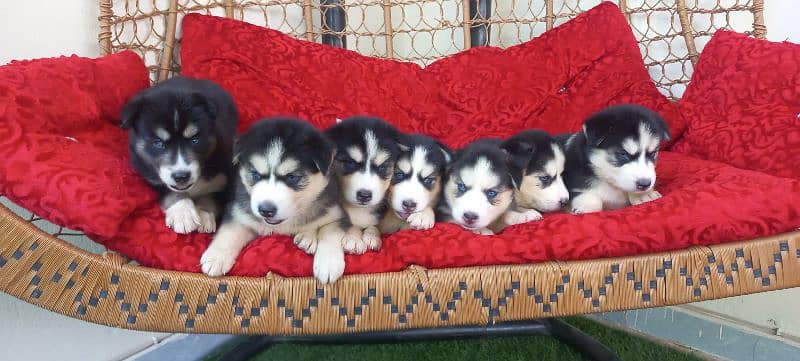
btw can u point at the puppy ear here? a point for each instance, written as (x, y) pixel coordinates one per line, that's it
(519, 155)
(322, 151)
(131, 111)
(661, 128)
(202, 104)
(446, 152)
(596, 129)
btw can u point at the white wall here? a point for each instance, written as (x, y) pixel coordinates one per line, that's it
(45, 28)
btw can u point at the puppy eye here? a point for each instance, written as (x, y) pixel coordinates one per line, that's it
(461, 188)
(195, 140)
(428, 181)
(491, 193)
(293, 179)
(398, 175)
(383, 168)
(349, 165)
(255, 176)
(622, 156)
(545, 179)
(652, 155)
(158, 144)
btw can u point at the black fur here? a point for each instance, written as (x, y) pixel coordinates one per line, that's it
(437, 154)
(605, 130)
(529, 151)
(350, 132)
(201, 102)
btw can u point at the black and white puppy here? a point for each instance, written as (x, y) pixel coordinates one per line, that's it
(181, 141)
(478, 187)
(284, 186)
(612, 163)
(366, 153)
(416, 184)
(536, 166)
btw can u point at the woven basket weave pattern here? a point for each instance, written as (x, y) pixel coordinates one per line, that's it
(41, 269)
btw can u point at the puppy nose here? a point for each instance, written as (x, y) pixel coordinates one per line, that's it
(181, 177)
(267, 209)
(643, 184)
(364, 196)
(470, 217)
(409, 205)
(563, 202)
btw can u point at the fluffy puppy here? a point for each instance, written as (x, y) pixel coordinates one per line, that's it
(283, 186)
(478, 187)
(366, 153)
(612, 163)
(536, 166)
(181, 141)
(416, 184)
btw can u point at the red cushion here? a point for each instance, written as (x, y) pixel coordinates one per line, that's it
(704, 203)
(62, 157)
(744, 105)
(551, 82)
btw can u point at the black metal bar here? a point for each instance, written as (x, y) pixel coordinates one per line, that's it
(559, 329)
(333, 20)
(480, 11)
(579, 341)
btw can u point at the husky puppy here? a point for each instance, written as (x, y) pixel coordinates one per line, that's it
(283, 186)
(416, 184)
(366, 153)
(536, 166)
(478, 187)
(612, 162)
(181, 141)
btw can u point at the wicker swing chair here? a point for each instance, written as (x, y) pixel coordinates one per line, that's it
(40, 268)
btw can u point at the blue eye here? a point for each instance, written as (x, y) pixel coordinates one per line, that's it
(491, 194)
(461, 188)
(195, 140)
(398, 175)
(545, 179)
(349, 165)
(383, 168)
(255, 176)
(158, 144)
(623, 156)
(428, 181)
(292, 179)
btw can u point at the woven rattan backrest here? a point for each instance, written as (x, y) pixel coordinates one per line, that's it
(670, 32)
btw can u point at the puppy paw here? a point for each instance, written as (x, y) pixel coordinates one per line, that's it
(512, 217)
(307, 241)
(372, 238)
(421, 220)
(182, 216)
(483, 232)
(328, 263)
(637, 199)
(353, 242)
(217, 261)
(208, 221)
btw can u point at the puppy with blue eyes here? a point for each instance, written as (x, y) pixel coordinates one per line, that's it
(612, 163)
(478, 187)
(416, 184)
(536, 165)
(366, 153)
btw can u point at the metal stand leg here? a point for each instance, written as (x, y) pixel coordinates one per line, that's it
(562, 331)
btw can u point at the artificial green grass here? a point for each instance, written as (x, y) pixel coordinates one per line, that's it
(543, 348)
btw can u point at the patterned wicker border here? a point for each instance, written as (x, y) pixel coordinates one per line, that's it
(41, 269)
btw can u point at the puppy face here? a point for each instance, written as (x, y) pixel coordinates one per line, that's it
(416, 183)
(624, 143)
(536, 166)
(173, 134)
(478, 189)
(367, 151)
(282, 164)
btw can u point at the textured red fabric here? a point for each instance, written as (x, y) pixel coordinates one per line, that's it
(551, 82)
(62, 157)
(744, 105)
